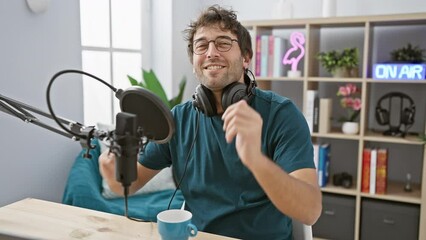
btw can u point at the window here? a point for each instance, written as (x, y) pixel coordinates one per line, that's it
(111, 39)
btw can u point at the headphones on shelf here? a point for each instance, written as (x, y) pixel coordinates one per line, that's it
(203, 98)
(407, 114)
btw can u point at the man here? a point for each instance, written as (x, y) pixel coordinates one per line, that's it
(247, 170)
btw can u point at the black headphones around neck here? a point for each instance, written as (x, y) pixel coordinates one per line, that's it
(406, 115)
(203, 98)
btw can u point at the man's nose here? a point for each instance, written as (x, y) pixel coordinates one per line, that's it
(211, 50)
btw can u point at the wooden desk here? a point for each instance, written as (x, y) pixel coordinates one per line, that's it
(37, 219)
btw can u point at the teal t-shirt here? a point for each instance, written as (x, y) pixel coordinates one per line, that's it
(222, 194)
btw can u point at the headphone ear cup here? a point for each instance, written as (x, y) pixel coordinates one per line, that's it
(407, 117)
(382, 116)
(203, 100)
(233, 93)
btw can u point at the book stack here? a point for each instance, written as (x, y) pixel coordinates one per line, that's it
(318, 112)
(374, 170)
(269, 55)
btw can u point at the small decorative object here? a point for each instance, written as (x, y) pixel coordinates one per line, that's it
(295, 53)
(340, 64)
(38, 6)
(283, 9)
(328, 8)
(151, 83)
(407, 186)
(352, 103)
(399, 71)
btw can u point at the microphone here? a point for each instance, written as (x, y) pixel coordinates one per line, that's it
(127, 148)
(143, 115)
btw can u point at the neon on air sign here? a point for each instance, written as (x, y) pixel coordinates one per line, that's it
(399, 71)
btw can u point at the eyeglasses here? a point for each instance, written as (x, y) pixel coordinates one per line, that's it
(222, 44)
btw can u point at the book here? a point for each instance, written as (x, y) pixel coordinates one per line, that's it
(316, 153)
(271, 50)
(264, 52)
(316, 159)
(365, 179)
(316, 114)
(373, 165)
(280, 45)
(381, 170)
(311, 95)
(323, 164)
(325, 107)
(258, 57)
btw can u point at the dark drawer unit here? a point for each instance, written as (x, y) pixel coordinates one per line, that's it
(389, 220)
(337, 219)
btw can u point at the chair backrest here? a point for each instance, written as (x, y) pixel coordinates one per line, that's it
(301, 231)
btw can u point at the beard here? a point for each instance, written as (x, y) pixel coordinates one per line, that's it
(219, 80)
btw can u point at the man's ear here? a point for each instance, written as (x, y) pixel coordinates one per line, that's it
(246, 62)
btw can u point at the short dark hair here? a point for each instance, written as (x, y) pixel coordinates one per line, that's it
(226, 20)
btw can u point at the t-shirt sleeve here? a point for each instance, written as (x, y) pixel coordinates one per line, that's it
(291, 139)
(155, 156)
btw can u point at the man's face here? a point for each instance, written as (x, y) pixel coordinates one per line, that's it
(215, 69)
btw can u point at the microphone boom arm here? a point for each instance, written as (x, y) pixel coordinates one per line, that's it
(19, 110)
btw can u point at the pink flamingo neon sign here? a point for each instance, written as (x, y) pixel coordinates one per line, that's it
(296, 40)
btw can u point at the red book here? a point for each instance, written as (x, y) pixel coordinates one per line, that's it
(381, 171)
(365, 180)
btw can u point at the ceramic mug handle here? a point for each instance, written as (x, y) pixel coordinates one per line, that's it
(192, 229)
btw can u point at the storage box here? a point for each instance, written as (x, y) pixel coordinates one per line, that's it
(337, 220)
(389, 220)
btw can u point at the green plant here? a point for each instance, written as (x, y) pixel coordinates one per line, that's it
(348, 58)
(422, 137)
(151, 83)
(408, 53)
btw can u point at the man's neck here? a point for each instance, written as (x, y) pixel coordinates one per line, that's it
(218, 101)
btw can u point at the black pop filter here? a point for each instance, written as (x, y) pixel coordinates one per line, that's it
(153, 115)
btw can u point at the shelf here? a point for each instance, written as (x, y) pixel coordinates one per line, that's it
(412, 18)
(374, 36)
(337, 134)
(378, 137)
(284, 79)
(395, 192)
(370, 80)
(329, 188)
(331, 79)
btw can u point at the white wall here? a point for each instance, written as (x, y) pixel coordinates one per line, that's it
(169, 58)
(34, 162)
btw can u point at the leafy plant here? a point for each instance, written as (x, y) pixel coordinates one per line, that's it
(350, 101)
(334, 59)
(422, 137)
(408, 53)
(151, 83)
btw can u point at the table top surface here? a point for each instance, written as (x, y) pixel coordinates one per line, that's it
(38, 219)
